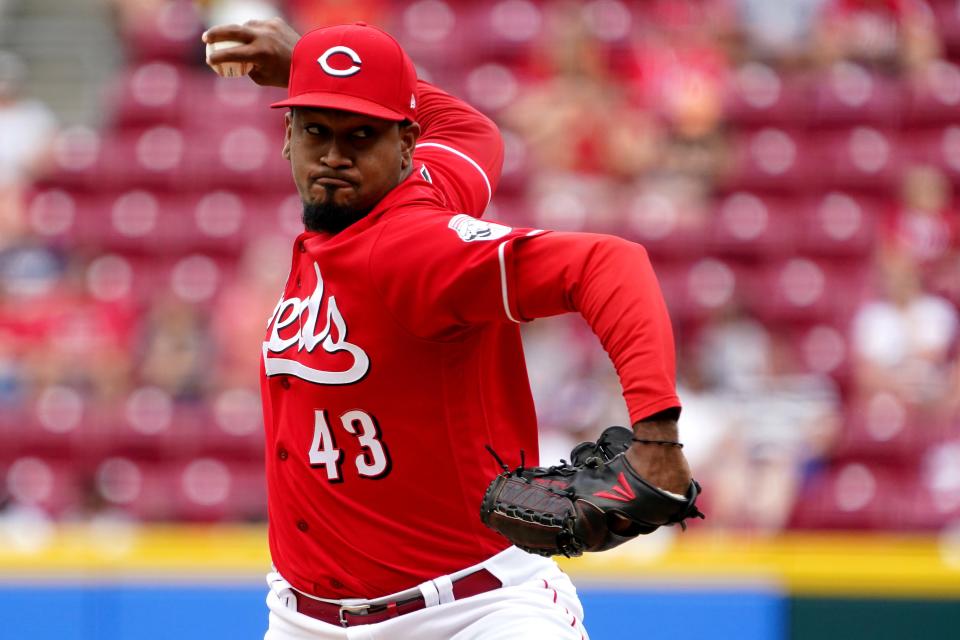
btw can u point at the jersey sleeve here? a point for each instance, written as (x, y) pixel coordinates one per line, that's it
(611, 283)
(461, 149)
(441, 275)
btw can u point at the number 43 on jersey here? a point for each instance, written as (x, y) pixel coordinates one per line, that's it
(373, 462)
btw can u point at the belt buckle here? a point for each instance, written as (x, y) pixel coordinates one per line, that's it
(357, 609)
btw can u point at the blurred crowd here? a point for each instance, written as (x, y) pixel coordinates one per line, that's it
(790, 166)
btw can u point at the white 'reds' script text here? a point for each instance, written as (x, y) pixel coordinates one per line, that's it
(333, 339)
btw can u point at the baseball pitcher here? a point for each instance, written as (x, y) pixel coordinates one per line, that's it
(395, 397)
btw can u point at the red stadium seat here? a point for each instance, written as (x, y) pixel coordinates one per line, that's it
(145, 489)
(804, 290)
(771, 160)
(171, 32)
(234, 429)
(746, 224)
(668, 228)
(149, 94)
(149, 158)
(883, 428)
(149, 425)
(56, 425)
(502, 31)
(78, 160)
(697, 290)
(822, 348)
(856, 495)
(52, 212)
(948, 24)
(758, 96)
(197, 278)
(50, 484)
(432, 30)
(208, 489)
(934, 96)
(517, 164)
(860, 158)
(242, 157)
(201, 489)
(838, 224)
(937, 500)
(849, 94)
(211, 103)
(939, 147)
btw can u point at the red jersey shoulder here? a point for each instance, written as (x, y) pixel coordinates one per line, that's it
(426, 228)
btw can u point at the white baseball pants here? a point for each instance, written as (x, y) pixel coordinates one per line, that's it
(537, 601)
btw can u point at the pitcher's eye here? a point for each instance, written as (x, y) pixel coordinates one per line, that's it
(363, 132)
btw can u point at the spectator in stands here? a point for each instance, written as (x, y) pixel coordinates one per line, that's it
(27, 126)
(772, 419)
(585, 139)
(902, 338)
(238, 315)
(575, 117)
(27, 129)
(574, 386)
(132, 14)
(679, 76)
(887, 34)
(55, 332)
(30, 275)
(924, 227)
(176, 349)
(778, 31)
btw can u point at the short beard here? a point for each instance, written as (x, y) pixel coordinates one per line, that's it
(328, 217)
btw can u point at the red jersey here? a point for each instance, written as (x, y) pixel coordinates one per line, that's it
(394, 357)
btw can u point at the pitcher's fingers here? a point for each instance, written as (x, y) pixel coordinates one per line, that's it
(239, 53)
(228, 32)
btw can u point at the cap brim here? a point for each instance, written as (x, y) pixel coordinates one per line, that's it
(326, 100)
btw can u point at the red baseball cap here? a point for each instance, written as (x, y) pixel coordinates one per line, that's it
(353, 67)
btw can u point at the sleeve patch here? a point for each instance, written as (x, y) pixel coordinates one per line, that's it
(472, 230)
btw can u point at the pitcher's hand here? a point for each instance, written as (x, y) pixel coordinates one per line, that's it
(267, 45)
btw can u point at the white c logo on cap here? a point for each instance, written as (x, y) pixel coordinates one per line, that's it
(341, 73)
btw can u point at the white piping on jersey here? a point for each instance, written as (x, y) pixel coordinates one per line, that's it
(425, 174)
(465, 157)
(503, 273)
(503, 280)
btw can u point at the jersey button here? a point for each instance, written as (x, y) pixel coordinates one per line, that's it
(285, 383)
(302, 525)
(336, 584)
(282, 454)
(298, 282)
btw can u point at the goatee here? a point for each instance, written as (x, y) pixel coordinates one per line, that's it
(329, 217)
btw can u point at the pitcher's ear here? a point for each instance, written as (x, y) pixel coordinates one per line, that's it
(287, 131)
(409, 134)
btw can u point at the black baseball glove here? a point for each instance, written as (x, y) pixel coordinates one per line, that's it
(573, 507)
